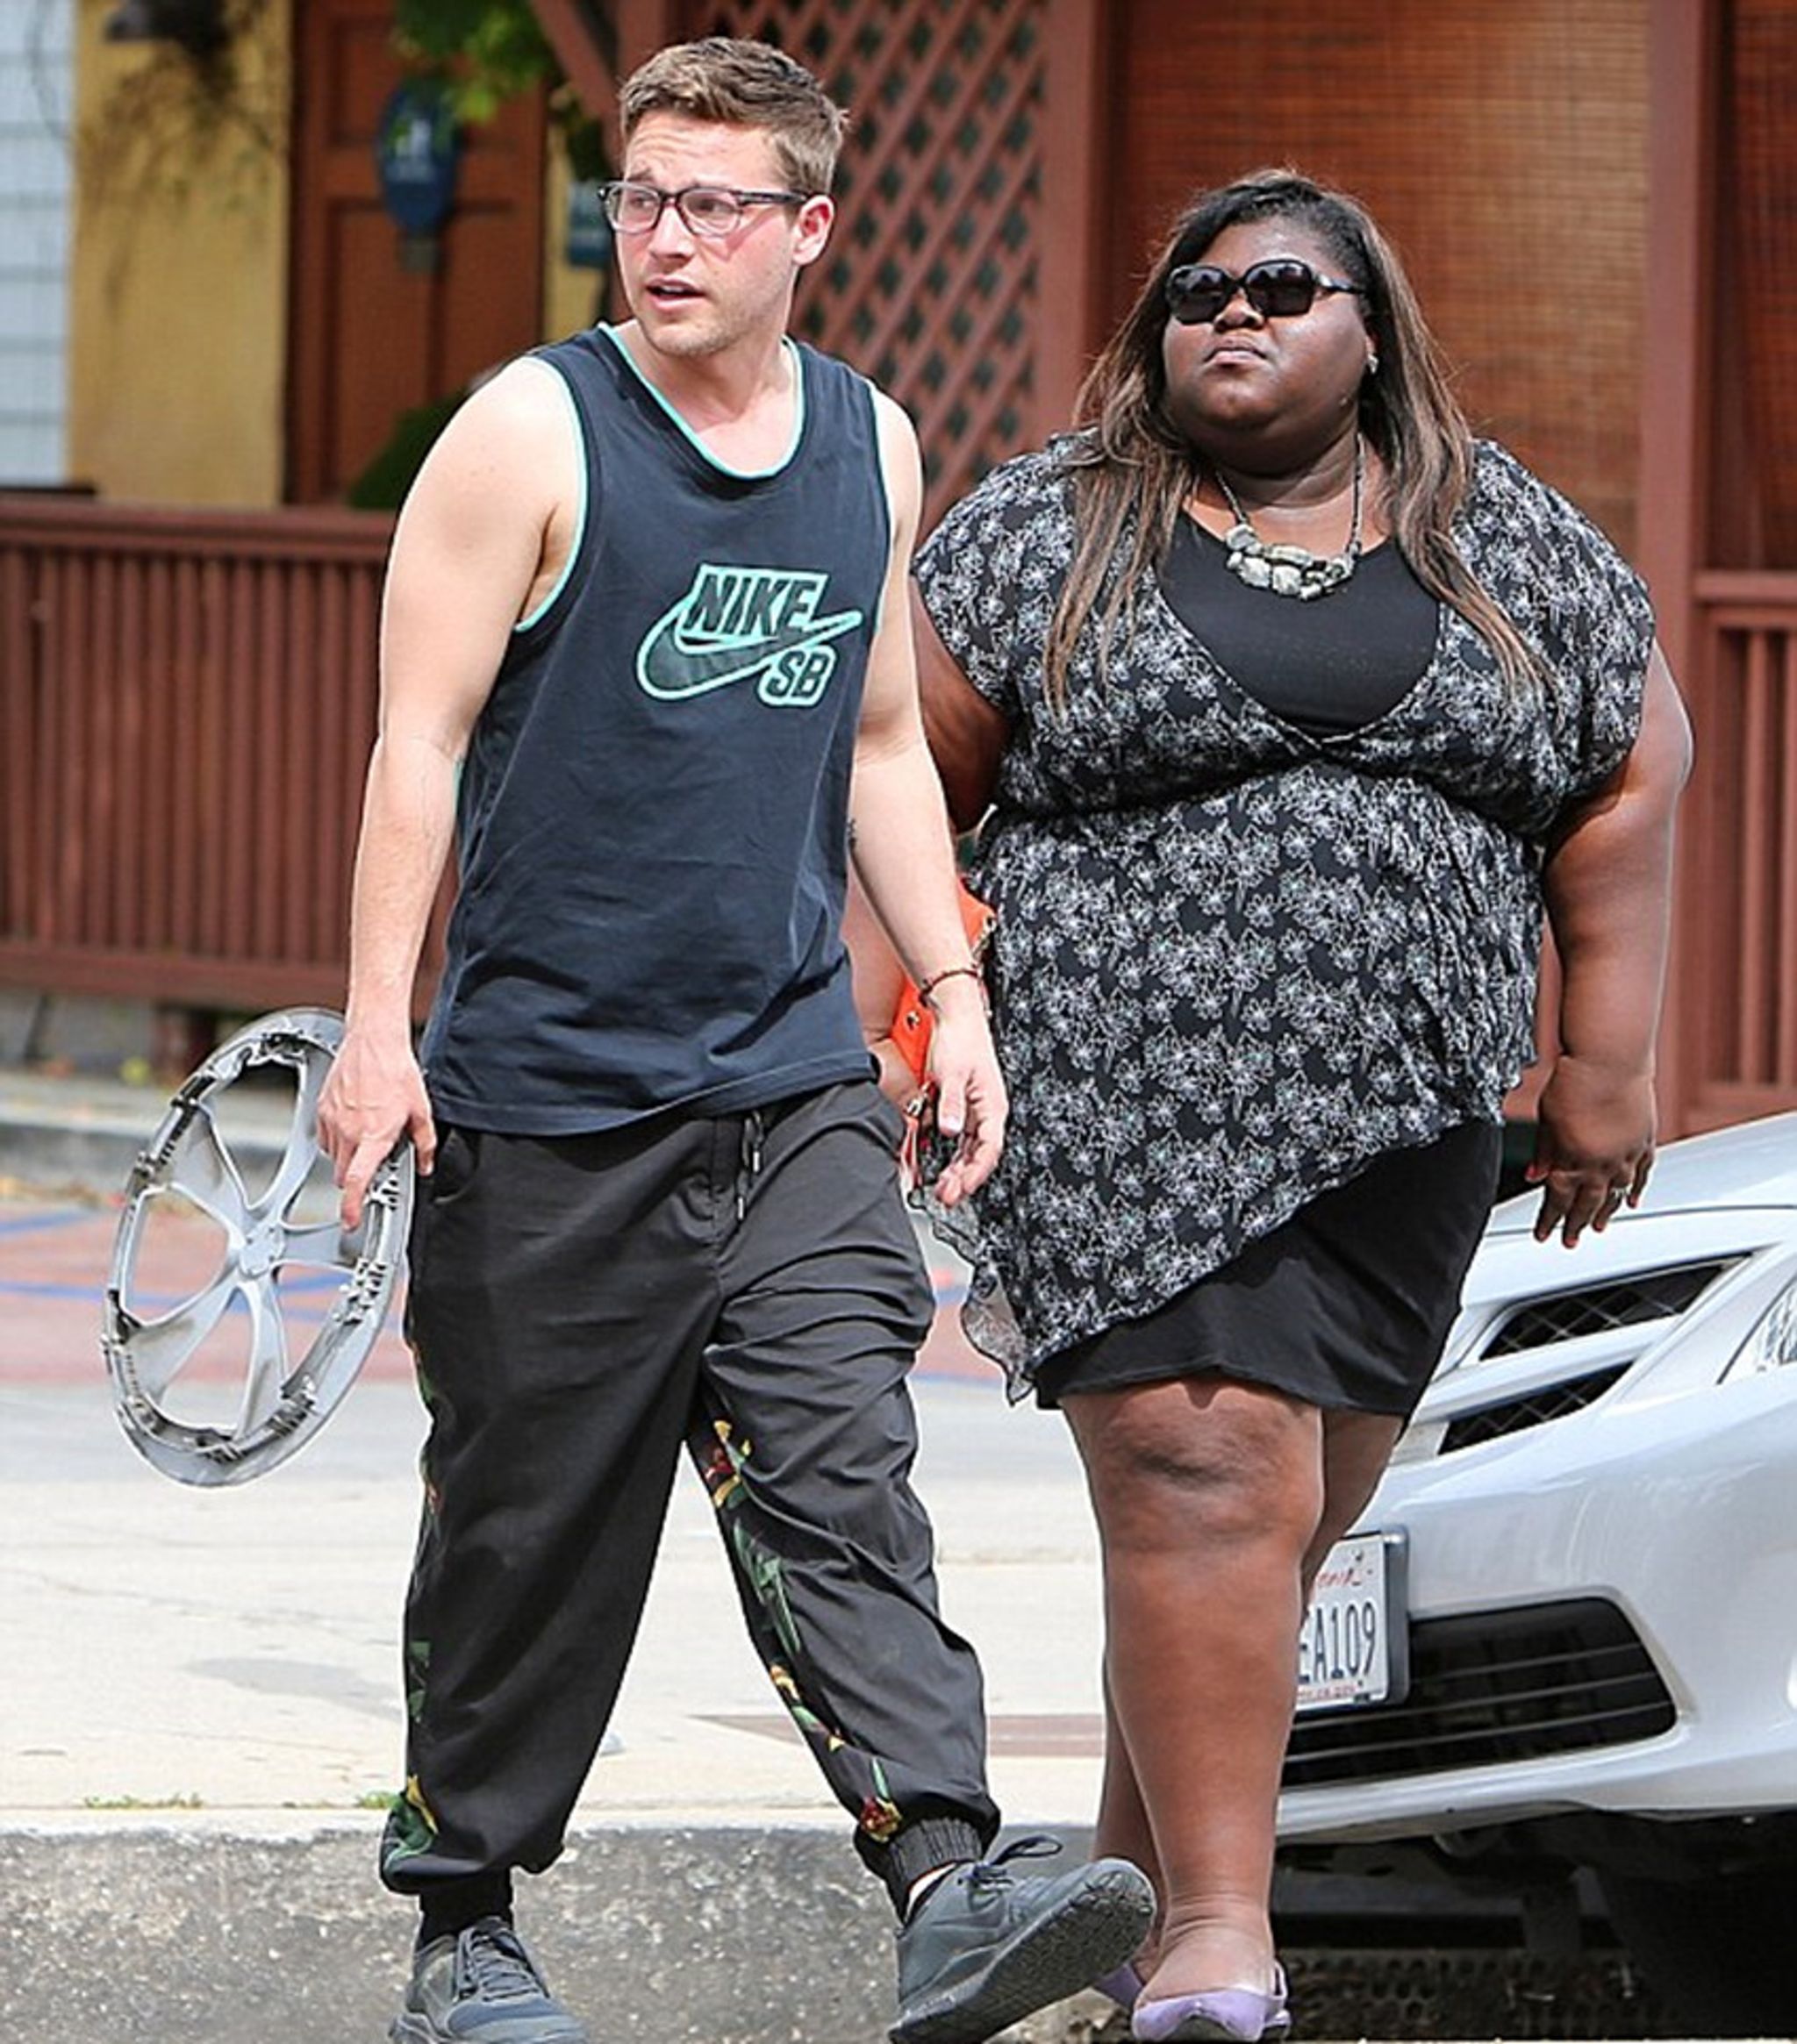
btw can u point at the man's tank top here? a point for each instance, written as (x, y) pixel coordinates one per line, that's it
(652, 821)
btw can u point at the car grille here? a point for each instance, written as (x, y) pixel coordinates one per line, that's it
(1492, 1688)
(1534, 1409)
(1595, 1309)
(1641, 1300)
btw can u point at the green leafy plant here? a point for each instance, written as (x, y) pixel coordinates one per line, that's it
(488, 52)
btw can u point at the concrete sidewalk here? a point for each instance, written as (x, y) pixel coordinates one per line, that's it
(202, 1715)
(203, 1703)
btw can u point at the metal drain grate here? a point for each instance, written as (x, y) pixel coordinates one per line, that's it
(1422, 1993)
(1513, 1995)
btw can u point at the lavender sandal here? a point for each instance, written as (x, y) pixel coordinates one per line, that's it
(1221, 2015)
(1123, 1985)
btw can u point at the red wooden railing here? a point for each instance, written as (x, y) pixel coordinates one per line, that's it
(187, 699)
(1736, 990)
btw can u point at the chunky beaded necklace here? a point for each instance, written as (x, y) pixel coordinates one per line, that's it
(1291, 571)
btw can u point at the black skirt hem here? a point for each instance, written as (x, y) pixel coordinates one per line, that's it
(1346, 1306)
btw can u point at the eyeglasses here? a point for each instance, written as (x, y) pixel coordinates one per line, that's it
(711, 210)
(1278, 290)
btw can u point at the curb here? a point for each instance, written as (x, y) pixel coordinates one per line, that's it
(715, 1936)
(83, 1138)
(758, 1933)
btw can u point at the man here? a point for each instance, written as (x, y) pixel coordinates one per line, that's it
(648, 600)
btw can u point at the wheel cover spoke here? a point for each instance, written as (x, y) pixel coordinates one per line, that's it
(267, 1374)
(321, 1243)
(204, 1170)
(163, 1348)
(302, 1147)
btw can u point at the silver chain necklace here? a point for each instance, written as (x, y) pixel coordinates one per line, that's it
(1291, 571)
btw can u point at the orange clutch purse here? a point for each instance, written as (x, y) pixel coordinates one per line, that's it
(912, 1019)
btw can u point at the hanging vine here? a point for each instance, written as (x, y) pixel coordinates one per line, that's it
(180, 116)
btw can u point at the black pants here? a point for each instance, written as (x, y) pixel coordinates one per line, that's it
(581, 1308)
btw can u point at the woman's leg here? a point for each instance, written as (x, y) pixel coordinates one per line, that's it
(1123, 1831)
(1208, 1494)
(1355, 1447)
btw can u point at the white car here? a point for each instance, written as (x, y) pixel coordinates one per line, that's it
(1567, 1635)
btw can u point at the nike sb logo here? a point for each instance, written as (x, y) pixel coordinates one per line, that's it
(736, 621)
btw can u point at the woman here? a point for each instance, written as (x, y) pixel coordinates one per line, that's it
(1296, 704)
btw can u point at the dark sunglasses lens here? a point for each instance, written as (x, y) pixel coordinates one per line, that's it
(1281, 290)
(1198, 291)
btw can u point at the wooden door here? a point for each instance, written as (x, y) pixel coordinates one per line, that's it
(375, 332)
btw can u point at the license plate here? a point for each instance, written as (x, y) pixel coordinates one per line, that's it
(1354, 1648)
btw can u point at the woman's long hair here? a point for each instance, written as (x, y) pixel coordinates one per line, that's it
(1133, 468)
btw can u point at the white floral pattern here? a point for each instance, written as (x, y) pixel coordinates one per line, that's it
(1235, 962)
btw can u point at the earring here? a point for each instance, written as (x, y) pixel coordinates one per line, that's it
(1373, 365)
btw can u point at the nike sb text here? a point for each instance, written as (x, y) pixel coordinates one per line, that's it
(736, 621)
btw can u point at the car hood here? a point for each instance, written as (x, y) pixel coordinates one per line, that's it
(1752, 1164)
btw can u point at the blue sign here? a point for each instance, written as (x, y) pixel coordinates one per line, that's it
(418, 147)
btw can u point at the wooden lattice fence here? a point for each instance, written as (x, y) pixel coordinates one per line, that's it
(932, 281)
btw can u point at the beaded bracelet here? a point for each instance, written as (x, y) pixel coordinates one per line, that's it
(925, 988)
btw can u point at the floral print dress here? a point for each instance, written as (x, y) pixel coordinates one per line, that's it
(1235, 962)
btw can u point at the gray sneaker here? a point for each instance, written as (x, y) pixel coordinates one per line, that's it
(481, 1987)
(987, 1947)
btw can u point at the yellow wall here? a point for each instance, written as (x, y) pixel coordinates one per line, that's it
(179, 271)
(570, 295)
(178, 288)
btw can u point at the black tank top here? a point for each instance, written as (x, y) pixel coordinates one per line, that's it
(652, 820)
(1328, 665)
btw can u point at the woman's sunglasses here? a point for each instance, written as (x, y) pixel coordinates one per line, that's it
(1278, 290)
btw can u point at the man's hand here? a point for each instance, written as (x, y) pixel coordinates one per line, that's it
(374, 1095)
(971, 1104)
(1594, 1147)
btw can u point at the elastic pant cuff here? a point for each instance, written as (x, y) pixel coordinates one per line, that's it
(920, 1846)
(449, 1907)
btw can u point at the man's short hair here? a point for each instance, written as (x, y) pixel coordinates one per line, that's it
(746, 84)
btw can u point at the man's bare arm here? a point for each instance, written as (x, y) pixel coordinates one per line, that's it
(475, 544)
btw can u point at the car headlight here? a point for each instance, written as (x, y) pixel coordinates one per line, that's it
(1773, 1342)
